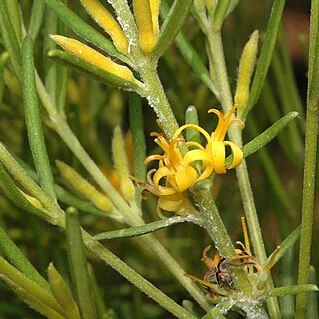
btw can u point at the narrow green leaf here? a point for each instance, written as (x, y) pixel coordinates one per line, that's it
(14, 13)
(62, 75)
(268, 135)
(190, 55)
(141, 230)
(220, 12)
(139, 146)
(10, 40)
(11, 191)
(18, 280)
(62, 294)
(233, 4)
(3, 60)
(191, 117)
(33, 120)
(98, 296)
(36, 20)
(37, 305)
(50, 66)
(78, 265)
(287, 303)
(83, 29)
(92, 70)
(314, 39)
(71, 200)
(285, 245)
(173, 23)
(290, 290)
(15, 256)
(266, 53)
(287, 103)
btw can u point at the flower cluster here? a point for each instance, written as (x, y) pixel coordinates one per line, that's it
(177, 171)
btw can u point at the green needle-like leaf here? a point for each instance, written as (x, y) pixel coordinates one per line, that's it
(10, 40)
(140, 230)
(15, 256)
(11, 191)
(290, 290)
(33, 119)
(266, 53)
(173, 23)
(268, 135)
(36, 20)
(191, 56)
(78, 265)
(83, 29)
(220, 12)
(3, 60)
(285, 245)
(18, 280)
(14, 13)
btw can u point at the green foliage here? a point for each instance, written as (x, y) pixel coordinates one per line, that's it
(52, 113)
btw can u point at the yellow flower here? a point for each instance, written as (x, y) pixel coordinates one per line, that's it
(177, 169)
(179, 175)
(213, 155)
(175, 173)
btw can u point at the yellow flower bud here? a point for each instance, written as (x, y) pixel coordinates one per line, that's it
(246, 67)
(121, 165)
(84, 188)
(107, 22)
(146, 16)
(93, 57)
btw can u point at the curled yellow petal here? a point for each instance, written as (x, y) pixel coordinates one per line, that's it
(93, 57)
(195, 155)
(160, 173)
(237, 154)
(193, 126)
(107, 22)
(144, 19)
(218, 157)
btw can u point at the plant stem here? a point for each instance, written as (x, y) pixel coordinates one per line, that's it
(235, 134)
(307, 201)
(217, 52)
(310, 160)
(157, 99)
(216, 229)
